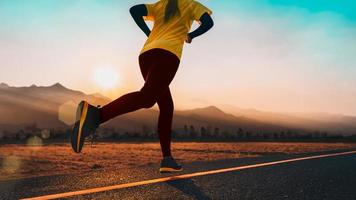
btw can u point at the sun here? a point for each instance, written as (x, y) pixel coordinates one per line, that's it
(106, 77)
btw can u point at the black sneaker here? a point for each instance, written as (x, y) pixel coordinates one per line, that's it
(168, 164)
(87, 121)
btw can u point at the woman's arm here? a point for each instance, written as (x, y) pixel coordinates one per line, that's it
(137, 13)
(206, 24)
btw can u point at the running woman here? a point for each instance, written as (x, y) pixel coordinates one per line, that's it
(159, 61)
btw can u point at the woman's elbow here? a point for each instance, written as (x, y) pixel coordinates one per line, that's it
(133, 10)
(138, 10)
(207, 21)
(211, 23)
(208, 24)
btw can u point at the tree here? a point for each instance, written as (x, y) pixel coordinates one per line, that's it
(289, 134)
(265, 135)
(282, 135)
(324, 135)
(240, 133)
(192, 132)
(275, 136)
(216, 132)
(145, 131)
(248, 134)
(32, 129)
(203, 132)
(225, 134)
(186, 129)
(209, 131)
(316, 134)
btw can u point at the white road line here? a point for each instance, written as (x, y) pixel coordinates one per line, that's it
(183, 176)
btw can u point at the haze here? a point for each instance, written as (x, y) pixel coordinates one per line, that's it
(280, 56)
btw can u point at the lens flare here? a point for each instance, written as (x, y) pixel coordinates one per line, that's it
(11, 164)
(67, 112)
(35, 143)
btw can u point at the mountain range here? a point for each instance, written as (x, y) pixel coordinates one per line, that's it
(46, 106)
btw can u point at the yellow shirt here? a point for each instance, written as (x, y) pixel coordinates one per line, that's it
(172, 34)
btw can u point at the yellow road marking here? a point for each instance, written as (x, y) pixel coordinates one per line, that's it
(81, 123)
(178, 177)
(167, 169)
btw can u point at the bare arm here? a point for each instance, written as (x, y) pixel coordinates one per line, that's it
(137, 13)
(206, 24)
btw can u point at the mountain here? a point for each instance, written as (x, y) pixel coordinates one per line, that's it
(332, 123)
(209, 112)
(53, 107)
(20, 106)
(98, 95)
(46, 106)
(201, 117)
(4, 86)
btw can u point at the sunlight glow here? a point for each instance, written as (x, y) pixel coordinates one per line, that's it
(106, 77)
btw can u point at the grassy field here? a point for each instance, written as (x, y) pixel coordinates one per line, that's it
(37, 159)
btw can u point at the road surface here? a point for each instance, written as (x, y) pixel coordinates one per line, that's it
(331, 177)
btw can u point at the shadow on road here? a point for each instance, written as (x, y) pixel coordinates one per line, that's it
(188, 187)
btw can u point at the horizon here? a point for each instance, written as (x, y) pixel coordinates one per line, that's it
(221, 107)
(281, 56)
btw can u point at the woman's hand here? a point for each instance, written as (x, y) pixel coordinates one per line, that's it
(188, 39)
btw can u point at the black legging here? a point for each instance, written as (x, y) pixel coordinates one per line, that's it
(158, 68)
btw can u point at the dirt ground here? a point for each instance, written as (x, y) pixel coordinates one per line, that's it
(37, 159)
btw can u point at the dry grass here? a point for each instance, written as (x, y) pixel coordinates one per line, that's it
(28, 161)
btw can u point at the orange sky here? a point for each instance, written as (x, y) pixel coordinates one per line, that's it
(257, 56)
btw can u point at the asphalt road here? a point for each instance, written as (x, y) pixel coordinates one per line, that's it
(322, 178)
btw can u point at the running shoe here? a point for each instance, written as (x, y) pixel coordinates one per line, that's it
(87, 121)
(168, 164)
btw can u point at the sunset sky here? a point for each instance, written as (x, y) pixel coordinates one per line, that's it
(271, 55)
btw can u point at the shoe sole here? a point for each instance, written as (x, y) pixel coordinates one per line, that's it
(168, 169)
(82, 112)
